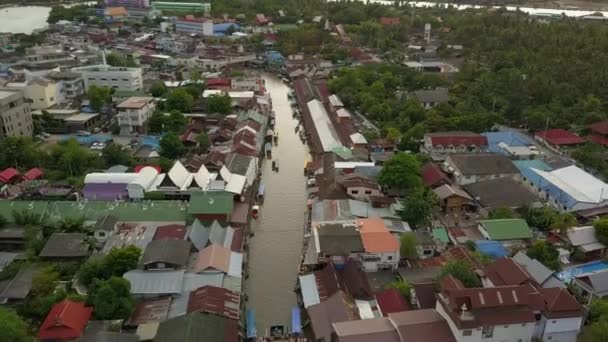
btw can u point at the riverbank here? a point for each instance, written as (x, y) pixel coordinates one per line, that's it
(47, 3)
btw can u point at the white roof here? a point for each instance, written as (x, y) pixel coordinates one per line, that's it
(335, 101)
(358, 138)
(343, 113)
(365, 309)
(577, 183)
(82, 117)
(579, 236)
(155, 282)
(236, 184)
(310, 292)
(202, 177)
(352, 165)
(111, 178)
(225, 173)
(232, 94)
(325, 129)
(145, 178)
(235, 267)
(179, 175)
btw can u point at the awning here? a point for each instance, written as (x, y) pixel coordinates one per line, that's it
(590, 247)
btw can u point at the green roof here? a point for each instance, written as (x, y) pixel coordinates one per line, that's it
(507, 229)
(211, 202)
(441, 234)
(253, 115)
(343, 152)
(196, 327)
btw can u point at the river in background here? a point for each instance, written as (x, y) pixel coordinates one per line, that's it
(276, 248)
(29, 18)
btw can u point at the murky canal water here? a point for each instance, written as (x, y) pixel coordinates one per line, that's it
(275, 250)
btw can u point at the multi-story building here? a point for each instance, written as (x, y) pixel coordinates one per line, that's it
(128, 3)
(109, 76)
(133, 114)
(191, 25)
(41, 92)
(186, 7)
(70, 85)
(15, 114)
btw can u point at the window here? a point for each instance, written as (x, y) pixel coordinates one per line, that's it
(523, 324)
(354, 192)
(554, 321)
(537, 316)
(467, 332)
(41, 100)
(506, 326)
(101, 233)
(390, 257)
(368, 192)
(115, 79)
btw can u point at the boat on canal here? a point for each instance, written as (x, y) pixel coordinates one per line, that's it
(261, 190)
(276, 138)
(252, 332)
(275, 165)
(255, 211)
(268, 150)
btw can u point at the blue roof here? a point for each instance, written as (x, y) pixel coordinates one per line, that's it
(493, 249)
(151, 140)
(251, 329)
(296, 322)
(261, 189)
(509, 138)
(90, 139)
(221, 28)
(525, 168)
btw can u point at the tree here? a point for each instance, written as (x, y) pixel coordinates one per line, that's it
(69, 159)
(546, 253)
(401, 172)
(115, 59)
(597, 331)
(418, 207)
(171, 147)
(20, 152)
(203, 142)
(408, 246)
(99, 96)
(157, 122)
(501, 213)
(111, 299)
(3, 221)
(540, 218)
(462, 271)
(116, 154)
(176, 122)
(71, 225)
(562, 222)
(42, 295)
(598, 310)
(116, 263)
(13, 328)
(180, 100)
(158, 89)
(601, 230)
(219, 104)
(403, 286)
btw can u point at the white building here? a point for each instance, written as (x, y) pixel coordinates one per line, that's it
(70, 86)
(113, 77)
(198, 26)
(134, 112)
(255, 84)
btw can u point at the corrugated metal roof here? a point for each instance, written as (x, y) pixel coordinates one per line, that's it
(310, 292)
(323, 125)
(155, 282)
(235, 268)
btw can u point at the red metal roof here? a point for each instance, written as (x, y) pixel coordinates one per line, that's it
(139, 167)
(560, 136)
(390, 301)
(237, 240)
(599, 127)
(8, 175)
(218, 82)
(65, 321)
(215, 300)
(32, 174)
(432, 175)
(170, 232)
(505, 271)
(596, 138)
(560, 303)
(458, 138)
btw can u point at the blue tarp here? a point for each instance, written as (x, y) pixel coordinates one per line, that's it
(509, 138)
(296, 322)
(251, 329)
(493, 249)
(90, 139)
(152, 141)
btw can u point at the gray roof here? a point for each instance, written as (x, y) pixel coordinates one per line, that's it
(580, 236)
(483, 164)
(369, 172)
(175, 252)
(108, 336)
(500, 193)
(155, 282)
(202, 235)
(447, 190)
(196, 327)
(539, 272)
(11, 233)
(117, 169)
(6, 258)
(193, 281)
(18, 287)
(338, 239)
(65, 245)
(238, 163)
(436, 95)
(598, 280)
(107, 223)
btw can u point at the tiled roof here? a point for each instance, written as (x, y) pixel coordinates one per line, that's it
(376, 238)
(483, 164)
(170, 232)
(8, 175)
(215, 300)
(425, 325)
(559, 303)
(390, 301)
(505, 271)
(560, 136)
(32, 174)
(151, 310)
(65, 321)
(213, 257)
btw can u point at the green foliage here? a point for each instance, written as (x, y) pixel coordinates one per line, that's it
(99, 96)
(462, 271)
(219, 104)
(176, 122)
(171, 146)
(597, 331)
(3, 221)
(540, 218)
(71, 225)
(601, 230)
(203, 142)
(180, 100)
(408, 246)
(26, 217)
(402, 172)
(13, 328)
(306, 38)
(114, 264)
(470, 245)
(592, 156)
(403, 286)
(117, 60)
(34, 241)
(43, 295)
(69, 159)
(20, 152)
(111, 299)
(598, 310)
(79, 12)
(501, 213)
(156, 122)
(562, 222)
(158, 89)
(116, 154)
(546, 253)
(418, 207)
(10, 271)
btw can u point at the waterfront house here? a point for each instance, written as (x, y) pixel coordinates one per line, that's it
(154, 284)
(196, 327)
(337, 308)
(477, 167)
(202, 235)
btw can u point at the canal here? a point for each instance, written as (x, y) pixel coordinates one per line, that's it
(275, 250)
